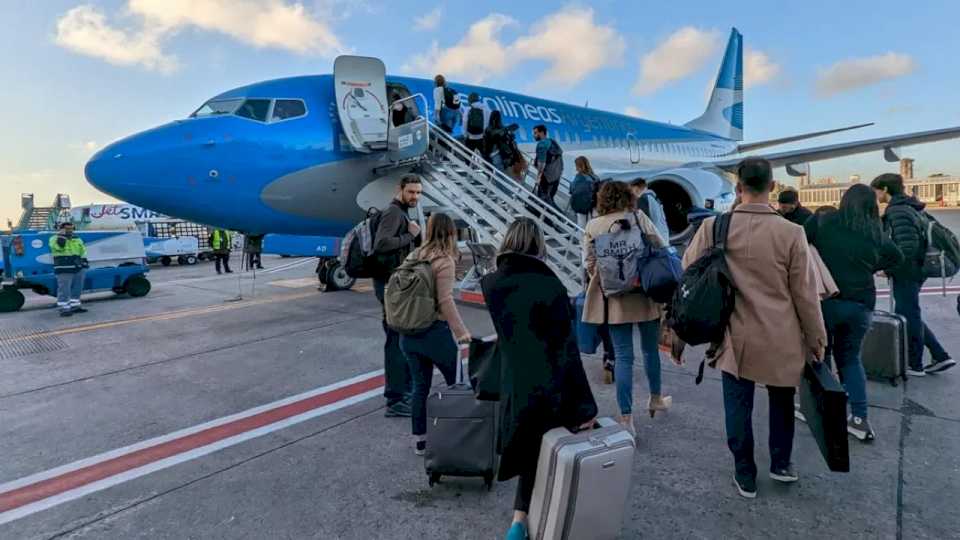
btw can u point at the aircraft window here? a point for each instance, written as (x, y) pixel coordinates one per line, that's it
(218, 107)
(284, 109)
(254, 109)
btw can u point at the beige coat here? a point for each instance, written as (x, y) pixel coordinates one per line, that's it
(776, 323)
(628, 308)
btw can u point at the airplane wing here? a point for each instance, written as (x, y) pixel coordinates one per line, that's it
(820, 153)
(748, 147)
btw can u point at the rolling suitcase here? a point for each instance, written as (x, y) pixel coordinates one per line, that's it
(582, 485)
(885, 347)
(461, 433)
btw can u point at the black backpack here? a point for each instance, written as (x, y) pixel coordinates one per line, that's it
(703, 303)
(475, 121)
(509, 151)
(583, 195)
(451, 98)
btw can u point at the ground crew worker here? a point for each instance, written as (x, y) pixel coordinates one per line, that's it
(220, 242)
(254, 248)
(69, 265)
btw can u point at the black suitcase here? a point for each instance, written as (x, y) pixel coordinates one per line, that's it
(885, 347)
(461, 433)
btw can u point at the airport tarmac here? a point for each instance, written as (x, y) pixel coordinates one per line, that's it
(228, 407)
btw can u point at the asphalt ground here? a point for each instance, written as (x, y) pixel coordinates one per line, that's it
(234, 407)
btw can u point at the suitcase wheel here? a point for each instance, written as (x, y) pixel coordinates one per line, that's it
(893, 381)
(488, 481)
(434, 479)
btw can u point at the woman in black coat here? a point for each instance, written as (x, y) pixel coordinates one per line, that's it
(543, 384)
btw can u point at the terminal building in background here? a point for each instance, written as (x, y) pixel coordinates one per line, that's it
(937, 191)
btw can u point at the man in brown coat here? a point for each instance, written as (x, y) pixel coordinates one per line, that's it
(776, 325)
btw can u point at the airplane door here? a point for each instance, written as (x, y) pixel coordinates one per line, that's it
(634, 148)
(361, 92)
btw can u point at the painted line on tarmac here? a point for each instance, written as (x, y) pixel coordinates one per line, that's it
(925, 291)
(44, 490)
(170, 315)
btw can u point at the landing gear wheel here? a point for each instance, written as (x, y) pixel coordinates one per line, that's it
(11, 300)
(322, 272)
(137, 286)
(191, 259)
(434, 479)
(337, 278)
(165, 260)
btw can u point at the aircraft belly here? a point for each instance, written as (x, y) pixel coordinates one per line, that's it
(323, 192)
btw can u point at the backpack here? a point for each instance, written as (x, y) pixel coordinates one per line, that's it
(582, 196)
(410, 298)
(554, 152)
(618, 255)
(943, 249)
(356, 250)
(704, 301)
(451, 98)
(475, 121)
(509, 151)
(660, 273)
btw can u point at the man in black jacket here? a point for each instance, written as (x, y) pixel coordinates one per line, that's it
(903, 221)
(394, 240)
(790, 207)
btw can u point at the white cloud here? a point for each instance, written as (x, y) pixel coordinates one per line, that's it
(854, 73)
(633, 111)
(573, 44)
(429, 20)
(680, 55)
(84, 29)
(758, 68)
(475, 58)
(261, 23)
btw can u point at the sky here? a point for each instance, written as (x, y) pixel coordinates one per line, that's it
(79, 74)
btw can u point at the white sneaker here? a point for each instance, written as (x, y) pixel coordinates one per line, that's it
(916, 373)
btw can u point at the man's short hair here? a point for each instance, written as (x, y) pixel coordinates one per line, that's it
(788, 196)
(65, 224)
(473, 97)
(755, 174)
(638, 182)
(889, 182)
(408, 179)
(540, 127)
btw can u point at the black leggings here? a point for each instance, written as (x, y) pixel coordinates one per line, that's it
(524, 491)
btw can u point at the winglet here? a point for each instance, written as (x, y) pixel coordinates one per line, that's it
(724, 114)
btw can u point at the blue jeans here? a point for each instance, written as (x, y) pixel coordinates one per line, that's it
(847, 323)
(396, 387)
(906, 298)
(449, 118)
(738, 415)
(937, 352)
(432, 347)
(622, 336)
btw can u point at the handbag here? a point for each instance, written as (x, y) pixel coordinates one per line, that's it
(484, 368)
(588, 335)
(660, 273)
(824, 404)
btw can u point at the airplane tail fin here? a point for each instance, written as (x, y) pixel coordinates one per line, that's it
(724, 114)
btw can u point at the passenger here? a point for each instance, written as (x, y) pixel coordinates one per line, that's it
(621, 313)
(435, 346)
(495, 141)
(543, 384)
(221, 242)
(852, 245)
(824, 211)
(775, 327)
(905, 225)
(394, 240)
(69, 265)
(549, 164)
(476, 118)
(254, 249)
(400, 113)
(791, 208)
(648, 202)
(446, 104)
(585, 178)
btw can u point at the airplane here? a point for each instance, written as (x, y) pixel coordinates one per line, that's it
(302, 155)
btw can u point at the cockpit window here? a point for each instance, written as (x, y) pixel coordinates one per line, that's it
(254, 109)
(284, 109)
(217, 107)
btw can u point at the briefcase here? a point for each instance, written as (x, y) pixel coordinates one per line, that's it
(824, 404)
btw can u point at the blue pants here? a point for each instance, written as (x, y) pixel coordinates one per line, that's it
(738, 413)
(847, 323)
(449, 118)
(432, 347)
(937, 352)
(622, 337)
(906, 298)
(396, 369)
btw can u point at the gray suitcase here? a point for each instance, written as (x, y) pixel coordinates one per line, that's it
(582, 485)
(885, 347)
(461, 433)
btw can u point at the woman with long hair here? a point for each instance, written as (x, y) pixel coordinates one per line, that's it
(585, 175)
(853, 247)
(621, 313)
(542, 383)
(437, 345)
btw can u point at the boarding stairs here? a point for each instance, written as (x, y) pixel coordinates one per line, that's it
(488, 200)
(40, 218)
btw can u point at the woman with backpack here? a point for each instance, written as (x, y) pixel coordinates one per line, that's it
(542, 383)
(582, 190)
(852, 245)
(446, 104)
(616, 211)
(437, 345)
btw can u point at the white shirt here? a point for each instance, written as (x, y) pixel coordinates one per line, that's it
(466, 113)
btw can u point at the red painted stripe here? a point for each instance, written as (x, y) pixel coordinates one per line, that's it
(120, 464)
(471, 297)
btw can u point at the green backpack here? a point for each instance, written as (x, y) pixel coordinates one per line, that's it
(410, 299)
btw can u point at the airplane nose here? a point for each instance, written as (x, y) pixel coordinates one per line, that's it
(103, 170)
